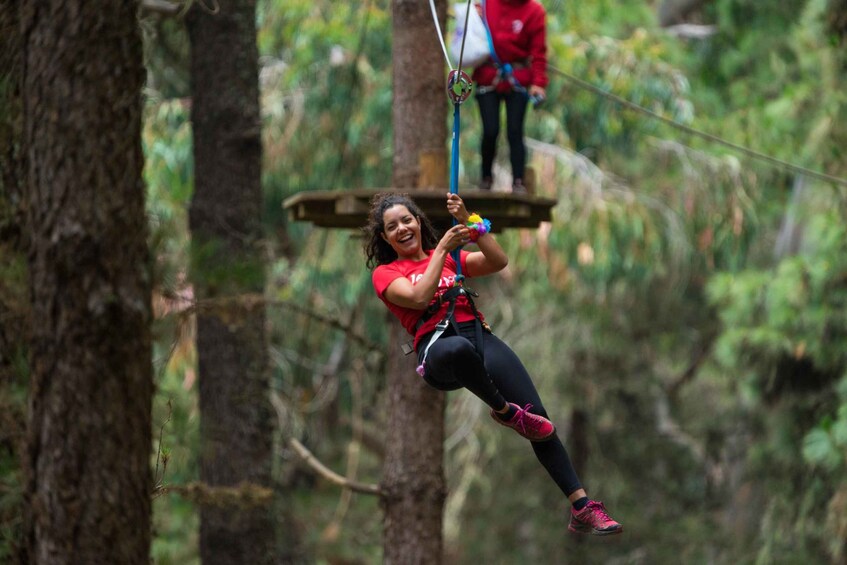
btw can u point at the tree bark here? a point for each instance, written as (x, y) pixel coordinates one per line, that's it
(413, 475)
(413, 484)
(14, 300)
(89, 430)
(225, 221)
(11, 126)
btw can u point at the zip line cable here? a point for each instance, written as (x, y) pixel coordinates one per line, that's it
(779, 163)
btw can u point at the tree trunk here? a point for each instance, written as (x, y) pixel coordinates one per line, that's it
(89, 434)
(413, 483)
(225, 220)
(14, 289)
(11, 127)
(413, 474)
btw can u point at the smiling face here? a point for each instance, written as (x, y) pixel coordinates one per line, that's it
(402, 231)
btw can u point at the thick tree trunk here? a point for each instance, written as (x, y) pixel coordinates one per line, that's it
(89, 436)
(225, 220)
(413, 483)
(413, 475)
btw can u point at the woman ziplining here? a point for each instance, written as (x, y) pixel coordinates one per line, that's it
(420, 282)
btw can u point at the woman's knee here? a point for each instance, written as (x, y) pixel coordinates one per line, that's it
(515, 135)
(446, 351)
(490, 134)
(455, 347)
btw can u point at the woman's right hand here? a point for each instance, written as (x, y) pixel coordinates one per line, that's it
(455, 237)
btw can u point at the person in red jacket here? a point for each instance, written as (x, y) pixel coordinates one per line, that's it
(515, 74)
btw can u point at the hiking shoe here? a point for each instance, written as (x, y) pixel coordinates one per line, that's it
(518, 187)
(531, 426)
(593, 519)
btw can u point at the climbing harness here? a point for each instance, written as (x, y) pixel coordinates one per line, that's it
(450, 296)
(504, 70)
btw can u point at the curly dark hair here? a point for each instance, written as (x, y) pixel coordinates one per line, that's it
(377, 250)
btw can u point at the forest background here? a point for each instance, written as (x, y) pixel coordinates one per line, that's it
(684, 314)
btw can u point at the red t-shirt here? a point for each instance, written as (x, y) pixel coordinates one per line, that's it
(384, 275)
(518, 31)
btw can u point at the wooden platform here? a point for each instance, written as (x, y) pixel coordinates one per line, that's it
(349, 208)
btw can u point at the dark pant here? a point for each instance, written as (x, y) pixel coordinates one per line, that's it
(453, 362)
(489, 111)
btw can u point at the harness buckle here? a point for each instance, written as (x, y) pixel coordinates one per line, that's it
(443, 324)
(469, 292)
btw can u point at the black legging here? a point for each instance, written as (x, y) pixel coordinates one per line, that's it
(489, 111)
(453, 362)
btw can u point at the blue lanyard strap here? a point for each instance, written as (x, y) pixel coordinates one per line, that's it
(459, 88)
(454, 184)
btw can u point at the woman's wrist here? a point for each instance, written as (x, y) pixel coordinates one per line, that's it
(478, 226)
(440, 252)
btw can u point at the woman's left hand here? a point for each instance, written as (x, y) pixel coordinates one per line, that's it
(457, 209)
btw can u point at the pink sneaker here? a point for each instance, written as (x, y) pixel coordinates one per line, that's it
(593, 519)
(531, 426)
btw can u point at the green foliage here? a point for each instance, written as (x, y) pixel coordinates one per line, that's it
(633, 69)
(797, 310)
(176, 434)
(166, 56)
(169, 176)
(775, 76)
(826, 444)
(785, 331)
(326, 97)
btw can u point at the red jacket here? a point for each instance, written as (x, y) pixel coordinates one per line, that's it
(518, 31)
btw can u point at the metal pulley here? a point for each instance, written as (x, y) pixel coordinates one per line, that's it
(459, 86)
